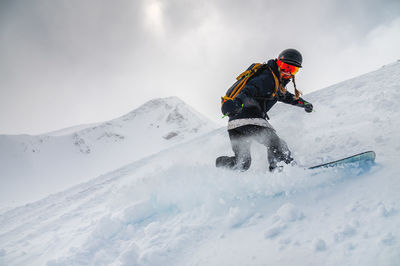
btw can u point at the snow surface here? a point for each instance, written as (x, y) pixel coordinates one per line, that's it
(175, 208)
(32, 167)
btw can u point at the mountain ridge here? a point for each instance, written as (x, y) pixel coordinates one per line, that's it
(88, 152)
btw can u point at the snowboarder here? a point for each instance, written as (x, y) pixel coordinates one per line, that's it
(248, 109)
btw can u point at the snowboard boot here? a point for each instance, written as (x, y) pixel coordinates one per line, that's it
(276, 169)
(225, 161)
(273, 167)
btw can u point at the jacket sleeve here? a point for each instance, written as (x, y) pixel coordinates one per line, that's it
(290, 99)
(262, 85)
(231, 107)
(245, 99)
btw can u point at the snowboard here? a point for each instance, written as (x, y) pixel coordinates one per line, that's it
(364, 158)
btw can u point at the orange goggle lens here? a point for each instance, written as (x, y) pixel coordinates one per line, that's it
(288, 69)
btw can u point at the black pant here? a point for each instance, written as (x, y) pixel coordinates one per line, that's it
(241, 139)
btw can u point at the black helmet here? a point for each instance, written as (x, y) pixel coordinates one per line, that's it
(291, 57)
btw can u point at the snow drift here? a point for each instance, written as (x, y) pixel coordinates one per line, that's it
(175, 208)
(35, 166)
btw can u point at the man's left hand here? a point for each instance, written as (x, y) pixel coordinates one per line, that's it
(308, 107)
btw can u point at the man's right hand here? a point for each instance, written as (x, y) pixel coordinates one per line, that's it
(230, 108)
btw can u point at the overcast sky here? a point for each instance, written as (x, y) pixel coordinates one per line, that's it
(64, 63)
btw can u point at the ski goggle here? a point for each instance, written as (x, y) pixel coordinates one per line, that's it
(286, 68)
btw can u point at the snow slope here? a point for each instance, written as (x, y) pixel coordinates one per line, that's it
(32, 167)
(176, 208)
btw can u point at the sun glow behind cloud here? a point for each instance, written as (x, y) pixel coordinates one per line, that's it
(153, 18)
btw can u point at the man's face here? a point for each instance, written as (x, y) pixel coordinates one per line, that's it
(284, 74)
(286, 70)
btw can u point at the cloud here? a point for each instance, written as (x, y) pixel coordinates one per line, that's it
(70, 62)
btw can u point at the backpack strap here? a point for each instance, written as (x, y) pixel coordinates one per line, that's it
(276, 81)
(242, 80)
(239, 87)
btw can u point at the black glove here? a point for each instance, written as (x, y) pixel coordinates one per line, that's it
(308, 107)
(230, 108)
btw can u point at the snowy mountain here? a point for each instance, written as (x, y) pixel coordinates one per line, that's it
(35, 166)
(355, 115)
(174, 209)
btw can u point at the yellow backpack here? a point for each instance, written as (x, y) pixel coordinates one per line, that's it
(242, 79)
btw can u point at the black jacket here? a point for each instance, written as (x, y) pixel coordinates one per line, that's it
(256, 98)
